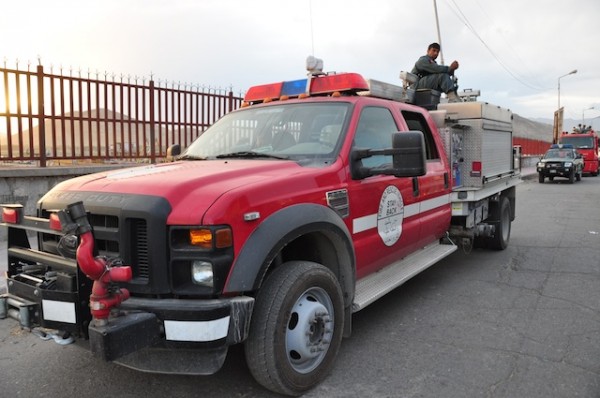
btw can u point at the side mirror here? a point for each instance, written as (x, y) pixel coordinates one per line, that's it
(173, 151)
(410, 159)
(408, 154)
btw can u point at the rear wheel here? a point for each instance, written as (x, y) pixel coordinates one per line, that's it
(296, 328)
(501, 215)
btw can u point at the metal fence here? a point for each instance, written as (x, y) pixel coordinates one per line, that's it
(50, 119)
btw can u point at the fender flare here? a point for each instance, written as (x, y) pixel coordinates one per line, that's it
(282, 227)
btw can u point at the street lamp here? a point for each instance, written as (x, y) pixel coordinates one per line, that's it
(570, 73)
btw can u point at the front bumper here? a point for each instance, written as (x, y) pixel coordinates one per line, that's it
(213, 322)
(192, 338)
(555, 171)
(153, 335)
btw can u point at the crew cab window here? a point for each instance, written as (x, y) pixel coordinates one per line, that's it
(374, 131)
(417, 122)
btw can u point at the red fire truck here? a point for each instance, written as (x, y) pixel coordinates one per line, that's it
(279, 222)
(586, 141)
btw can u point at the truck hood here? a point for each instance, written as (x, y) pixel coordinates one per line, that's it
(190, 187)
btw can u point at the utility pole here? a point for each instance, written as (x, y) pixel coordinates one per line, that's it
(437, 24)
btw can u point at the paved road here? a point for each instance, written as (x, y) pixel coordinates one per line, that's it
(524, 322)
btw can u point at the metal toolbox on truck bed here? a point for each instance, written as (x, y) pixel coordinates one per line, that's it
(476, 110)
(478, 142)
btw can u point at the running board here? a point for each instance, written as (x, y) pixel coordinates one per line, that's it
(374, 286)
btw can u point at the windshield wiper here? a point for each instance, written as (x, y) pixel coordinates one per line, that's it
(191, 157)
(249, 155)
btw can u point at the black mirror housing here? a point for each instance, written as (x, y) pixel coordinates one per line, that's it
(173, 151)
(409, 157)
(408, 154)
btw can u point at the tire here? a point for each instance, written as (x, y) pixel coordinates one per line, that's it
(541, 178)
(572, 177)
(296, 328)
(501, 217)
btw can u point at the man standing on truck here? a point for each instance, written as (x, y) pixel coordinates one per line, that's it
(434, 76)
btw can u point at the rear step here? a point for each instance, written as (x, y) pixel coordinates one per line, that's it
(374, 286)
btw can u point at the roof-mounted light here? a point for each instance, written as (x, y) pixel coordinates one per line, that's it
(315, 85)
(314, 65)
(262, 92)
(294, 88)
(343, 82)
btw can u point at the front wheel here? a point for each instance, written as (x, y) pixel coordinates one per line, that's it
(296, 328)
(541, 178)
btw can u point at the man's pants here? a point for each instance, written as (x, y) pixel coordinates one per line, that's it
(438, 81)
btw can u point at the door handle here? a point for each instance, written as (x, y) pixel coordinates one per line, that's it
(415, 184)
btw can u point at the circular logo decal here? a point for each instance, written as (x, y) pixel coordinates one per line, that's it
(390, 215)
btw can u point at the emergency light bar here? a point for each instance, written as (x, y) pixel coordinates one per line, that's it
(317, 85)
(559, 146)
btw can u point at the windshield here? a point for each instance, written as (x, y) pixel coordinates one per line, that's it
(559, 153)
(579, 142)
(287, 131)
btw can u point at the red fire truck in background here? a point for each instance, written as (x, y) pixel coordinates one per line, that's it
(586, 141)
(279, 222)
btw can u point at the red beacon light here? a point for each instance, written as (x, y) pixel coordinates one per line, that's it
(343, 82)
(12, 214)
(54, 222)
(318, 83)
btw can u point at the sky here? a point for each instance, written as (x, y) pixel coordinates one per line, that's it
(514, 52)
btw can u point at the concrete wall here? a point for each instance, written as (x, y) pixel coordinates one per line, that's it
(26, 185)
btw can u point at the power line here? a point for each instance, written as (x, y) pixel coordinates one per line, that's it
(462, 17)
(505, 40)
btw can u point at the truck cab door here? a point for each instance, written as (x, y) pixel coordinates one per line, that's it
(435, 186)
(383, 222)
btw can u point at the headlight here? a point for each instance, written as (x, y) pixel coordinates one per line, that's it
(568, 164)
(202, 273)
(540, 164)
